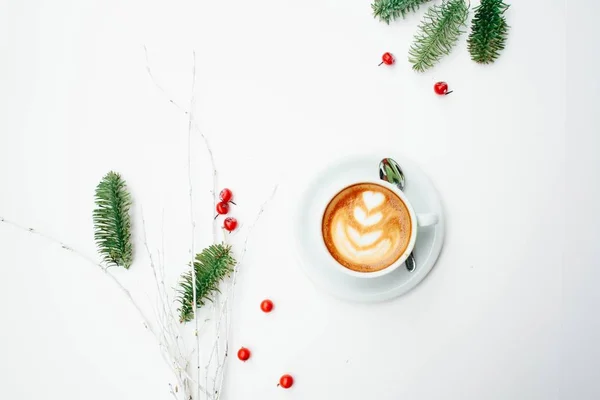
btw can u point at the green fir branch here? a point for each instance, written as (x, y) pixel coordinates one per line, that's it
(389, 10)
(438, 33)
(211, 266)
(112, 224)
(488, 32)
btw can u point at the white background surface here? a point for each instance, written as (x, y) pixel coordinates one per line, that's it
(284, 84)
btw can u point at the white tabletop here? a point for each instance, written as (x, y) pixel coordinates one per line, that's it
(280, 86)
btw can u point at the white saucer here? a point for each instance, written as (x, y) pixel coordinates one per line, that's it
(316, 261)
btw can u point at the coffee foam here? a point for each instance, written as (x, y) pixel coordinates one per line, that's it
(366, 227)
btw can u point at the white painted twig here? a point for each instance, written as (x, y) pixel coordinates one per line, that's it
(168, 323)
(192, 220)
(228, 301)
(146, 322)
(91, 261)
(220, 307)
(195, 127)
(158, 85)
(192, 125)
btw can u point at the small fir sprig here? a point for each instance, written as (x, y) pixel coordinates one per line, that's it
(112, 223)
(488, 32)
(389, 10)
(438, 33)
(211, 266)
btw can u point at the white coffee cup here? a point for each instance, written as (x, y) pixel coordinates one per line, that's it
(418, 221)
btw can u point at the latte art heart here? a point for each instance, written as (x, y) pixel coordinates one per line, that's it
(372, 199)
(365, 219)
(366, 227)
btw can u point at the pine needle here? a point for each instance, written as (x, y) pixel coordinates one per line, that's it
(211, 266)
(488, 32)
(112, 224)
(438, 33)
(389, 10)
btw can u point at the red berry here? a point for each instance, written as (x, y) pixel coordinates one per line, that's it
(387, 59)
(243, 354)
(222, 208)
(230, 224)
(226, 195)
(441, 88)
(286, 381)
(266, 305)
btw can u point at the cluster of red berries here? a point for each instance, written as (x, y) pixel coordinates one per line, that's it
(286, 381)
(226, 197)
(440, 88)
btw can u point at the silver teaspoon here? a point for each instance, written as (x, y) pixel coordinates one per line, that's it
(390, 171)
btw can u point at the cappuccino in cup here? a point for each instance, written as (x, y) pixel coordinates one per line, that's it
(367, 227)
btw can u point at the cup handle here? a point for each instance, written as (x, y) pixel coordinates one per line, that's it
(429, 219)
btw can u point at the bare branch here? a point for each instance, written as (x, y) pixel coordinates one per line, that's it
(228, 301)
(158, 85)
(192, 220)
(64, 246)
